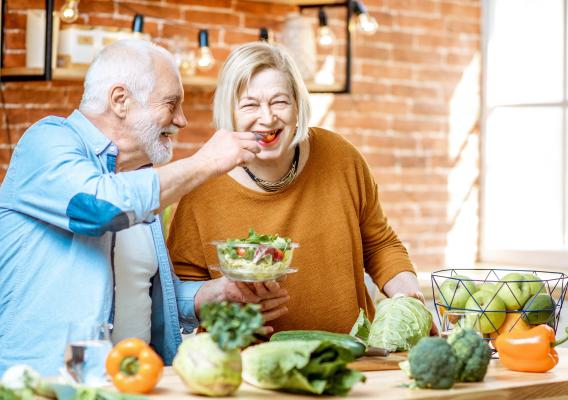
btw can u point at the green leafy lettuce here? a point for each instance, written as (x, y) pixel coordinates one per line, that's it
(400, 322)
(231, 325)
(305, 366)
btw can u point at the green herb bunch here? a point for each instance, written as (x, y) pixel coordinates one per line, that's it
(231, 325)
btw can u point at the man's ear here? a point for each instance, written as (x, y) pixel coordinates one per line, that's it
(119, 100)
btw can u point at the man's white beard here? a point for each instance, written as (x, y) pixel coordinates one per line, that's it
(157, 151)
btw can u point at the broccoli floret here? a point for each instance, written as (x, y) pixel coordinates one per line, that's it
(472, 353)
(432, 364)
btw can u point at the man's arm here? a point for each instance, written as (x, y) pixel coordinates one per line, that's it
(223, 152)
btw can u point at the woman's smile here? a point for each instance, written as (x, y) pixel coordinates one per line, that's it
(267, 137)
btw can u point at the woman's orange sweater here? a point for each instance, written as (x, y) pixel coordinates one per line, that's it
(332, 210)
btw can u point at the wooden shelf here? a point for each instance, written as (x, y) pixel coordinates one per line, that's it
(298, 2)
(78, 74)
(202, 82)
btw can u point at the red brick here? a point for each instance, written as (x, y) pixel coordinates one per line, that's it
(386, 71)
(42, 96)
(14, 59)
(238, 36)
(455, 26)
(25, 4)
(420, 23)
(2, 173)
(153, 11)
(414, 56)
(461, 11)
(97, 6)
(416, 125)
(362, 121)
(390, 142)
(275, 23)
(263, 8)
(359, 87)
(15, 21)
(373, 52)
(430, 108)
(422, 6)
(15, 40)
(413, 92)
(208, 3)
(211, 18)
(189, 33)
(5, 155)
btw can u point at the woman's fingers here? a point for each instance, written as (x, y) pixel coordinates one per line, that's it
(268, 290)
(267, 305)
(274, 313)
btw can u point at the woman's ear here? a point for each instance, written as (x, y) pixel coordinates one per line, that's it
(119, 101)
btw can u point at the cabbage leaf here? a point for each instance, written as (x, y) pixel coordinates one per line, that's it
(400, 322)
(305, 366)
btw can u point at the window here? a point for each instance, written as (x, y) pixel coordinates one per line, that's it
(524, 205)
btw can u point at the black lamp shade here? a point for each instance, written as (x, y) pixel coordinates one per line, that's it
(138, 23)
(263, 34)
(322, 16)
(358, 7)
(203, 38)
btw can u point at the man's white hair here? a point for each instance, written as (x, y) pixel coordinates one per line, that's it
(129, 62)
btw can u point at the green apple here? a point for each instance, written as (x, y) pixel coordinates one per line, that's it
(492, 307)
(489, 287)
(536, 285)
(455, 291)
(515, 290)
(539, 309)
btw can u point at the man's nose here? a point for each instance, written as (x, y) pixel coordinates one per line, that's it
(179, 118)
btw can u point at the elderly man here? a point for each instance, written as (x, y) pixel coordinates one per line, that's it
(79, 236)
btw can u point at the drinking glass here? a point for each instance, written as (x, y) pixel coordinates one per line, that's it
(454, 320)
(88, 344)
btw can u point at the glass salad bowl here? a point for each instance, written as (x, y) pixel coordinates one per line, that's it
(256, 258)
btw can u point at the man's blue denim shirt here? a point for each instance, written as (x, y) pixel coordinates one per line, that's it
(60, 204)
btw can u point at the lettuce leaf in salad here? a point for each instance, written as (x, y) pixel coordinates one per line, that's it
(269, 240)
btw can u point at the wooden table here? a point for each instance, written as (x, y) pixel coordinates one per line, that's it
(500, 383)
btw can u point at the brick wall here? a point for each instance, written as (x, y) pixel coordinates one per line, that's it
(413, 110)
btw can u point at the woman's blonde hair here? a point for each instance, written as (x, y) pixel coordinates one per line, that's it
(243, 62)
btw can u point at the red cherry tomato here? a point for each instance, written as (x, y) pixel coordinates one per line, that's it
(269, 138)
(241, 251)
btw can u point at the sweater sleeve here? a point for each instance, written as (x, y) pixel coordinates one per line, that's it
(184, 244)
(384, 254)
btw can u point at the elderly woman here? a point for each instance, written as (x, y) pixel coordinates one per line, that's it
(308, 184)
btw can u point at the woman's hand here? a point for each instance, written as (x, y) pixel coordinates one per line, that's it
(406, 283)
(269, 295)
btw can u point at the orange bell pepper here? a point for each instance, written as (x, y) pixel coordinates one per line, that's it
(529, 351)
(134, 366)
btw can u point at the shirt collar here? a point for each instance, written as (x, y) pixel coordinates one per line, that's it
(96, 139)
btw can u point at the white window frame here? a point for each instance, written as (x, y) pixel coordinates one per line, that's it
(551, 260)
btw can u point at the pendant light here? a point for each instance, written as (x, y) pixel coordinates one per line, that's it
(70, 11)
(205, 60)
(361, 19)
(325, 36)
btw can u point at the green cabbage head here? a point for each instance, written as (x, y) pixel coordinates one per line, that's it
(400, 322)
(206, 369)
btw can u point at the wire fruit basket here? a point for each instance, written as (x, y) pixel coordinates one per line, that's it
(505, 299)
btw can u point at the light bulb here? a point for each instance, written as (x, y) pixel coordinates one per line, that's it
(367, 24)
(70, 11)
(205, 60)
(325, 36)
(361, 19)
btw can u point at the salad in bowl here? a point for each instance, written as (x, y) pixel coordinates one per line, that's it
(256, 257)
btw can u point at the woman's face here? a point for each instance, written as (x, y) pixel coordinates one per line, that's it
(267, 107)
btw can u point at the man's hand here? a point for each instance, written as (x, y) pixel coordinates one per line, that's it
(269, 295)
(226, 150)
(223, 152)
